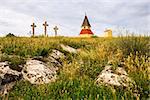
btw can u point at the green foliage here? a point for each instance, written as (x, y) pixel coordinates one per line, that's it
(94, 36)
(91, 67)
(42, 52)
(68, 89)
(138, 69)
(73, 43)
(132, 44)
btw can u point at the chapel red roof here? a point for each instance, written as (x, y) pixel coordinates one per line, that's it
(86, 31)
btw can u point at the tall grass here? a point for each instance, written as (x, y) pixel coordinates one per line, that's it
(76, 79)
(133, 44)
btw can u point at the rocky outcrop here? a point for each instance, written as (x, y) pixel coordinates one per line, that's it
(118, 77)
(56, 54)
(4, 69)
(55, 58)
(68, 49)
(4, 89)
(41, 70)
(8, 77)
(38, 72)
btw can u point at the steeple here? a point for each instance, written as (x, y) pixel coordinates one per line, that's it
(85, 28)
(86, 22)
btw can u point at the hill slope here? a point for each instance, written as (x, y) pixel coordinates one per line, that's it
(77, 76)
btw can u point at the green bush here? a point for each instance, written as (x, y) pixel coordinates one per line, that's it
(133, 44)
(90, 67)
(42, 52)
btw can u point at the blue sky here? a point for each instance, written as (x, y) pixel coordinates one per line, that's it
(16, 16)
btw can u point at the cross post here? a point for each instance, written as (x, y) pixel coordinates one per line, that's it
(55, 29)
(45, 28)
(33, 27)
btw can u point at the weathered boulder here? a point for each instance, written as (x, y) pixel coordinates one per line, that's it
(55, 58)
(117, 77)
(38, 72)
(68, 49)
(57, 54)
(4, 89)
(121, 71)
(8, 78)
(8, 75)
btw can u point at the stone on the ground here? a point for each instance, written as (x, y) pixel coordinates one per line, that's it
(107, 69)
(119, 77)
(68, 49)
(4, 89)
(38, 72)
(8, 78)
(121, 71)
(8, 75)
(55, 58)
(56, 54)
(54, 63)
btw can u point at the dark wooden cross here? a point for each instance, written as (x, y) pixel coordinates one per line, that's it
(55, 29)
(33, 26)
(45, 28)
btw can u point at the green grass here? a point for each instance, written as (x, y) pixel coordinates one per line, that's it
(76, 79)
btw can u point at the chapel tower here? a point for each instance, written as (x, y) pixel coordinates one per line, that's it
(86, 28)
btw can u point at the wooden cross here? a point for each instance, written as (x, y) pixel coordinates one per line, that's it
(55, 29)
(45, 28)
(33, 26)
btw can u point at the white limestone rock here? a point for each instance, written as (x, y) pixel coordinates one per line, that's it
(8, 78)
(68, 49)
(121, 71)
(55, 58)
(119, 77)
(5, 70)
(57, 54)
(4, 89)
(107, 69)
(37, 72)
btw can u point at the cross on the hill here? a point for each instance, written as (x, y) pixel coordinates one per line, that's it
(55, 29)
(33, 26)
(45, 28)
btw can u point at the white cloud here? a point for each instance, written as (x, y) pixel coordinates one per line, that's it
(16, 15)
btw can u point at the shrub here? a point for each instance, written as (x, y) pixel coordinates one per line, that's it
(94, 36)
(42, 52)
(10, 35)
(132, 44)
(138, 68)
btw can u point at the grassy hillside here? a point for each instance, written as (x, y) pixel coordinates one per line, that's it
(76, 79)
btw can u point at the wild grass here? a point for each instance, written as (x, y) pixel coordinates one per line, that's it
(76, 79)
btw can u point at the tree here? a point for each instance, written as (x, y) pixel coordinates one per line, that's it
(10, 35)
